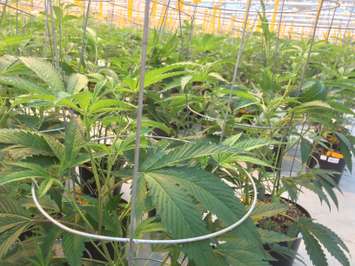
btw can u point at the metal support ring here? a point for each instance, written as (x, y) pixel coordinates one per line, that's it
(147, 241)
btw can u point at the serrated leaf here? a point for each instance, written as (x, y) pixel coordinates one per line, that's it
(270, 237)
(46, 72)
(328, 239)
(73, 247)
(264, 210)
(76, 83)
(8, 239)
(25, 139)
(18, 176)
(161, 159)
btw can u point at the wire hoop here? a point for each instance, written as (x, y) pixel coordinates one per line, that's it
(146, 241)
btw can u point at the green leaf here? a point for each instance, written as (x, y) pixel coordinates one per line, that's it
(251, 144)
(108, 105)
(25, 139)
(178, 213)
(249, 159)
(155, 124)
(161, 159)
(265, 210)
(270, 237)
(328, 239)
(314, 250)
(8, 239)
(46, 72)
(76, 83)
(73, 247)
(311, 106)
(22, 85)
(213, 194)
(72, 143)
(19, 176)
(180, 216)
(157, 75)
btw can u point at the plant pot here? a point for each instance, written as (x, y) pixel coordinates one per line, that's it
(328, 163)
(281, 260)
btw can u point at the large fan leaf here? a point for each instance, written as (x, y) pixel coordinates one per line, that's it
(46, 72)
(326, 237)
(22, 85)
(73, 247)
(180, 216)
(264, 210)
(173, 191)
(24, 139)
(161, 159)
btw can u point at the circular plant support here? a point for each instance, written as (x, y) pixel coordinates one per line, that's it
(146, 241)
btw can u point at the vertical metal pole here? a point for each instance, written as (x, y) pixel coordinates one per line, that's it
(3, 12)
(237, 63)
(347, 26)
(191, 32)
(277, 45)
(85, 25)
(320, 5)
(17, 22)
(131, 252)
(54, 35)
(242, 42)
(331, 24)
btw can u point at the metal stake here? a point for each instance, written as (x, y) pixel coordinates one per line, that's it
(131, 252)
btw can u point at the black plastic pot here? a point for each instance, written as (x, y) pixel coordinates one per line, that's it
(281, 260)
(328, 163)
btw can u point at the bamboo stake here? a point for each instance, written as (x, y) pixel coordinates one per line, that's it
(133, 221)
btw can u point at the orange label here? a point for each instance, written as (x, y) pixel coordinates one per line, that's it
(335, 154)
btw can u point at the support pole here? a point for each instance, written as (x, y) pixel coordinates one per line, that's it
(133, 222)
(314, 30)
(237, 64)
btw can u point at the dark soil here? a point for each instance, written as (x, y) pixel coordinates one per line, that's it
(282, 222)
